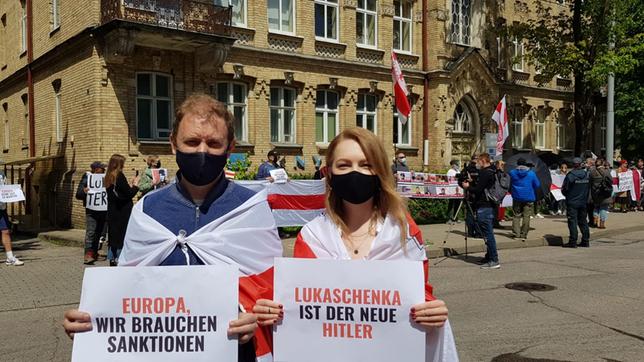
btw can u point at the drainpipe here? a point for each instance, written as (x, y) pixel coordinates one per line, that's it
(425, 89)
(30, 100)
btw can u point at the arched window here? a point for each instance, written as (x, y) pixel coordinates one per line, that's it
(462, 118)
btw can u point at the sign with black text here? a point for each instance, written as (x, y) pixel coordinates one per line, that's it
(11, 193)
(96, 198)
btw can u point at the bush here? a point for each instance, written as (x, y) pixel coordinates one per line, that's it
(428, 211)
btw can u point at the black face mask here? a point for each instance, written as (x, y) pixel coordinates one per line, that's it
(355, 187)
(200, 168)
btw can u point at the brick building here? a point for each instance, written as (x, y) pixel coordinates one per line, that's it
(80, 81)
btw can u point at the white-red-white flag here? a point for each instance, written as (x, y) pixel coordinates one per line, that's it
(500, 117)
(400, 90)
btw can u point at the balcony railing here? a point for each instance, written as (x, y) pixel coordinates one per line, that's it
(200, 16)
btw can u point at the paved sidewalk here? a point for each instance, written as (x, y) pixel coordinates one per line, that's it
(445, 240)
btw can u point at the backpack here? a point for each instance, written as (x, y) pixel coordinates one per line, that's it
(605, 188)
(496, 193)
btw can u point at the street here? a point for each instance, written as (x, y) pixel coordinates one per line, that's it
(595, 311)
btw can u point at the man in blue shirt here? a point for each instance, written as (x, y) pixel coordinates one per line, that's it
(576, 187)
(264, 171)
(523, 186)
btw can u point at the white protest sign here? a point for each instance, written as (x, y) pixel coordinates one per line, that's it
(625, 181)
(557, 184)
(169, 313)
(348, 310)
(279, 175)
(96, 198)
(11, 193)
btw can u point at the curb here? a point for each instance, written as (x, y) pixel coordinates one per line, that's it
(60, 240)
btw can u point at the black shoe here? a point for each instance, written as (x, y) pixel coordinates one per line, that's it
(584, 244)
(570, 245)
(484, 261)
(113, 263)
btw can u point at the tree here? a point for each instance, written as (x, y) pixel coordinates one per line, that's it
(576, 41)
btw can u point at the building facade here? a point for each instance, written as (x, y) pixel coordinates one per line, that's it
(80, 81)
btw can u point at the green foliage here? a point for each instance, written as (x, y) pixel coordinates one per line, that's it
(242, 169)
(301, 176)
(428, 211)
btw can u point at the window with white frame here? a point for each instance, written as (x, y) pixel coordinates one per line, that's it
(239, 12)
(153, 105)
(402, 132)
(517, 126)
(281, 15)
(402, 25)
(561, 131)
(55, 14)
(462, 119)
(517, 54)
(326, 116)
(326, 19)
(58, 117)
(366, 23)
(366, 112)
(23, 25)
(540, 129)
(7, 129)
(461, 21)
(235, 96)
(282, 108)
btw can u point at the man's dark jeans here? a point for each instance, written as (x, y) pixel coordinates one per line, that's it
(95, 222)
(485, 220)
(577, 217)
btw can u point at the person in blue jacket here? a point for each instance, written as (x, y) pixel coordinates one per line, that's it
(524, 184)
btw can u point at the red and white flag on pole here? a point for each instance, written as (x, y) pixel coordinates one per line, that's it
(400, 90)
(500, 117)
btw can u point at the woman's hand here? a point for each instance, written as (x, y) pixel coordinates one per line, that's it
(268, 312)
(244, 326)
(76, 322)
(430, 314)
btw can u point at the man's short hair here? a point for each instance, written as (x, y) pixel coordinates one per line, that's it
(207, 107)
(485, 157)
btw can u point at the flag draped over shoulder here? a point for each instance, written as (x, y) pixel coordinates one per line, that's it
(400, 90)
(500, 117)
(245, 237)
(321, 239)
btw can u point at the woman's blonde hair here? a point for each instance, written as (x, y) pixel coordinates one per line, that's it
(386, 200)
(114, 167)
(152, 160)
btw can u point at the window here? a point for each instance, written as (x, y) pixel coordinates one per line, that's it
(462, 119)
(23, 26)
(461, 21)
(55, 14)
(326, 116)
(326, 19)
(366, 112)
(7, 130)
(517, 126)
(239, 12)
(401, 131)
(366, 23)
(153, 105)
(561, 131)
(234, 95)
(402, 25)
(25, 130)
(282, 115)
(58, 116)
(517, 55)
(281, 15)
(3, 41)
(540, 129)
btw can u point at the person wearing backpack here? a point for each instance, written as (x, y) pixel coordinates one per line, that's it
(483, 208)
(523, 186)
(601, 186)
(576, 187)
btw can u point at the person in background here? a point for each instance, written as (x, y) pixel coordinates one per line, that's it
(590, 164)
(119, 203)
(640, 169)
(483, 208)
(576, 187)
(499, 212)
(452, 204)
(601, 191)
(94, 219)
(400, 164)
(147, 182)
(523, 186)
(264, 171)
(622, 198)
(559, 207)
(472, 175)
(5, 231)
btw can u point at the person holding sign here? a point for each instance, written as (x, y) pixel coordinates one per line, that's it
(205, 219)
(366, 219)
(151, 179)
(95, 217)
(5, 231)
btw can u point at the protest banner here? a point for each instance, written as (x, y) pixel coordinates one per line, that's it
(329, 316)
(427, 185)
(96, 197)
(625, 181)
(556, 185)
(169, 313)
(11, 193)
(159, 175)
(279, 175)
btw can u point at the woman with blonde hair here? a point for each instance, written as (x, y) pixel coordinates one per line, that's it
(366, 219)
(119, 203)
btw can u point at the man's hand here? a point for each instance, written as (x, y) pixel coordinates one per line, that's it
(268, 312)
(85, 189)
(466, 184)
(430, 314)
(244, 326)
(76, 322)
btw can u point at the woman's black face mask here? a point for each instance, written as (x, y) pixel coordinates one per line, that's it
(355, 187)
